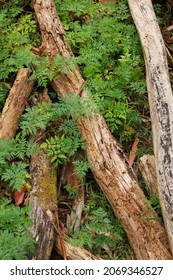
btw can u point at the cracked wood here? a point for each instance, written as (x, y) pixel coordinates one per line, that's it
(111, 170)
(160, 101)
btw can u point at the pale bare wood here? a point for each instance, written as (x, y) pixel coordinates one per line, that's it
(160, 101)
(15, 104)
(109, 166)
(147, 168)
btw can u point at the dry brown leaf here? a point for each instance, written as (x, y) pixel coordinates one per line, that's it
(133, 151)
(19, 196)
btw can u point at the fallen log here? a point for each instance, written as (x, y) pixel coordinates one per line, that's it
(43, 199)
(160, 101)
(111, 170)
(15, 104)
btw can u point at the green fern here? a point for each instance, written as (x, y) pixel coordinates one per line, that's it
(16, 175)
(61, 148)
(44, 70)
(15, 241)
(81, 168)
(72, 192)
(35, 118)
(109, 55)
(13, 154)
(100, 229)
(16, 38)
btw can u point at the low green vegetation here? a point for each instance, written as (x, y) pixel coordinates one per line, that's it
(107, 50)
(100, 232)
(15, 241)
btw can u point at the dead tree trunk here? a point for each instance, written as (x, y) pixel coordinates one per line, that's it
(161, 103)
(111, 170)
(15, 104)
(43, 198)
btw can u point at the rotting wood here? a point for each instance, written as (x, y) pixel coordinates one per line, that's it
(160, 101)
(15, 104)
(72, 81)
(147, 168)
(43, 199)
(108, 164)
(74, 252)
(70, 178)
(74, 219)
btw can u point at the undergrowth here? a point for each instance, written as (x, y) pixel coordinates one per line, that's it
(100, 232)
(107, 50)
(15, 241)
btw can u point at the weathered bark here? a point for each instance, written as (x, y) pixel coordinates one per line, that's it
(117, 181)
(160, 101)
(147, 168)
(43, 199)
(51, 30)
(112, 172)
(69, 177)
(15, 104)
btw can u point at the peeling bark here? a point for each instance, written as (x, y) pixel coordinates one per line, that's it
(161, 103)
(111, 170)
(43, 199)
(15, 104)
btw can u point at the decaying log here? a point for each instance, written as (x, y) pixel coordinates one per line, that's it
(72, 81)
(115, 177)
(147, 168)
(111, 170)
(70, 178)
(15, 104)
(43, 199)
(74, 252)
(160, 101)
(74, 220)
